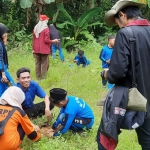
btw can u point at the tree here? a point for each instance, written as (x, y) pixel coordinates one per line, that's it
(82, 23)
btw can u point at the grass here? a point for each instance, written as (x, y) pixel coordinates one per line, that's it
(82, 82)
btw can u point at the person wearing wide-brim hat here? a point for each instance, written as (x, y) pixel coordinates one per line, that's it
(75, 114)
(127, 15)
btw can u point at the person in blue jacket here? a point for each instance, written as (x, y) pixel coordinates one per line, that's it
(5, 78)
(105, 57)
(81, 59)
(32, 89)
(75, 114)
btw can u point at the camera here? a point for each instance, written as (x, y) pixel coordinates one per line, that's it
(102, 74)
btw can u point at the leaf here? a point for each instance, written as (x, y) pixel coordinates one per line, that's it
(141, 1)
(87, 16)
(95, 23)
(63, 25)
(62, 9)
(148, 3)
(25, 3)
(49, 1)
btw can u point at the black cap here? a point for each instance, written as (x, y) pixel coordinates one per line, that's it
(57, 95)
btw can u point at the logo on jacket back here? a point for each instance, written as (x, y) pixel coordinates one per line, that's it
(3, 112)
(119, 111)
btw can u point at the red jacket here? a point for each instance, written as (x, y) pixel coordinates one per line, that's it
(41, 45)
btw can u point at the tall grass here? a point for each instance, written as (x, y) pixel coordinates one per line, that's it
(82, 82)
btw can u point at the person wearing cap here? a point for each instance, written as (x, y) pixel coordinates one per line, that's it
(32, 89)
(126, 13)
(5, 77)
(41, 46)
(80, 58)
(17, 122)
(75, 114)
(54, 34)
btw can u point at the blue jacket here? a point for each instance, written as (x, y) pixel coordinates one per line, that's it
(76, 108)
(83, 60)
(33, 90)
(105, 55)
(3, 67)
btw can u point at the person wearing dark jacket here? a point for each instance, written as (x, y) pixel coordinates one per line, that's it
(127, 13)
(5, 77)
(54, 34)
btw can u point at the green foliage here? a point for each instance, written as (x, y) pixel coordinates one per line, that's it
(26, 3)
(49, 1)
(61, 8)
(82, 22)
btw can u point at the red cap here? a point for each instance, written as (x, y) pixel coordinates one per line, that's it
(43, 17)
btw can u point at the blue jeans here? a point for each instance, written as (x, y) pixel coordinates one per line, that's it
(143, 134)
(54, 49)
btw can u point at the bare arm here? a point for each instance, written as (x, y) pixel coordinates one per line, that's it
(47, 107)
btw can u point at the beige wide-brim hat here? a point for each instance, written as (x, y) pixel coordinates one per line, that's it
(109, 16)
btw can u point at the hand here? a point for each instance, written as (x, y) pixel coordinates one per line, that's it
(47, 114)
(105, 73)
(75, 61)
(56, 40)
(4, 78)
(108, 61)
(36, 128)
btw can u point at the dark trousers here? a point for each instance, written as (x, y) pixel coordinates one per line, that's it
(42, 65)
(104, 81)
(143, 134)
(37, 110)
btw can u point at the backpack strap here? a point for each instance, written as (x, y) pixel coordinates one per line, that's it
(3, 123)
(132, 41)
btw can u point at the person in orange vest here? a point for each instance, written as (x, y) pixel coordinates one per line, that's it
(14, 123)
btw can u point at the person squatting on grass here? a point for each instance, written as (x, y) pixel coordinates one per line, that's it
(41, 46)
(127, 13)
(32, 89)
(5, 78)
(105, 57)
(80, 58)
(54, 34)
(18, 124)
(74, 114)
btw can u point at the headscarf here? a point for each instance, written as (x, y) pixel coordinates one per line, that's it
(3, 30)
(54, 34)
(13, 96)
(40, 27)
